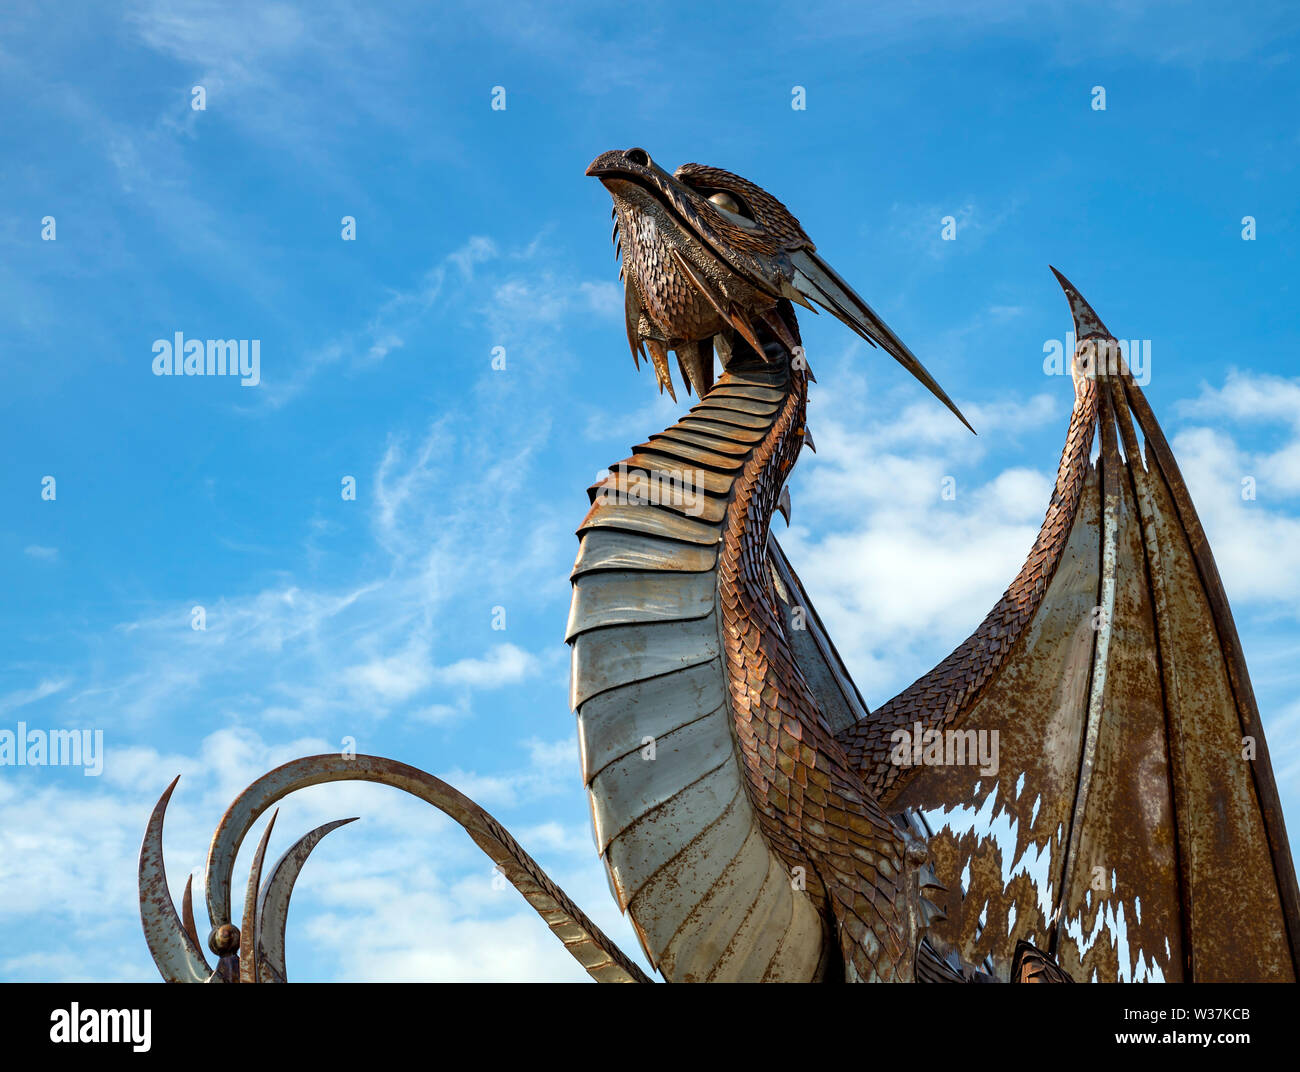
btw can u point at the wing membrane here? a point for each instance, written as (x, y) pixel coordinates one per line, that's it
(1127, 829)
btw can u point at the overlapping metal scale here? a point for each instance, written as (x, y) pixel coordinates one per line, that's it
(679, 837)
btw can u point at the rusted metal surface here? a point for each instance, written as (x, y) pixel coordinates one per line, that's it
(756, 819)
(179, 961)
(813, 819)
(958, 682)
(1067, 667)
(250, 922)
(273, 903)
(1163, 864)
(687, 859)
(187, 911)
(177, 956)
(1207, 574)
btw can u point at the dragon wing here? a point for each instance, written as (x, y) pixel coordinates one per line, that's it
(1130, 824)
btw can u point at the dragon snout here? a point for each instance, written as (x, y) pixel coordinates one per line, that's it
(620, 162)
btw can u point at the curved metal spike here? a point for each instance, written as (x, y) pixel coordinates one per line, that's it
(659, 358)
(808, 439)
(775, 321)
(695, 359)
(251, 919)
(699, 284)
(632, 320)
(736, 316)
(588, 944)
(820, 282)
(686, 376)
(187, 910)
(928, 880)
(179, 960)
(1087, 324)
(783, 504)
(273, 904)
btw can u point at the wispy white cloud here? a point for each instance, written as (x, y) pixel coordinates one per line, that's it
(552, 768)
(385, 331)
(394, 678)
(420, 899)
(1249, 396)
(246, 53)
(506, 664)
(23, 697)
(906, 573)
(1245, 532)
(946, 229)
(900, 529)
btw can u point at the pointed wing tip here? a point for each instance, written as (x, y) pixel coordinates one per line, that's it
(1087, 324)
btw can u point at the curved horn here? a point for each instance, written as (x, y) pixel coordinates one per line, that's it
(273, 904)
(179, 959)
(588, 944)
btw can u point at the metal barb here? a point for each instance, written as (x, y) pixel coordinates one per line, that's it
(783, 504)
(273, 903)
(250, 921)
(187, 910)
(583, 938)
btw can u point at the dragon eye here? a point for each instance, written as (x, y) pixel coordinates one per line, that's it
(724, 200)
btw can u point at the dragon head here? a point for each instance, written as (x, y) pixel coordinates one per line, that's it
(707, 255)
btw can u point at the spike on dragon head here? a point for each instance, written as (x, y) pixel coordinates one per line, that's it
(710, 258)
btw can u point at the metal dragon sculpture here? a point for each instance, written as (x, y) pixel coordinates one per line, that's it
(752, 812)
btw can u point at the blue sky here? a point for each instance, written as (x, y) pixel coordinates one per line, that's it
(475, 229)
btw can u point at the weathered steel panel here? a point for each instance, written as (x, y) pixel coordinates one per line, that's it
(615, 723)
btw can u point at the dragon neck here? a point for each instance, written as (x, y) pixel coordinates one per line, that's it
(768, 696)
(678, 639)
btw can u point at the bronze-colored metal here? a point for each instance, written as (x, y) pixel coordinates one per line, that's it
(1142, 804)
(757, 820)
(1080, 702)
